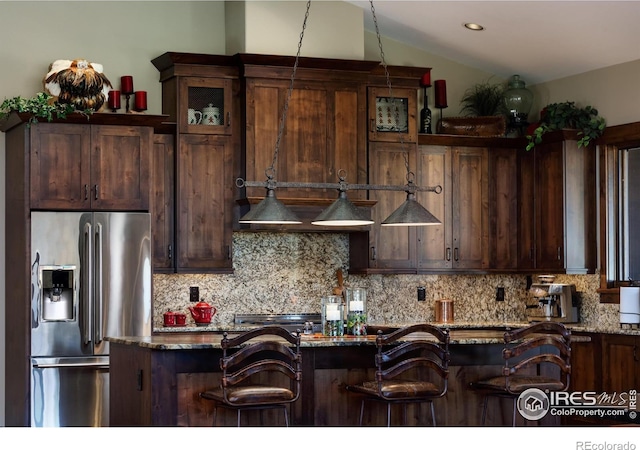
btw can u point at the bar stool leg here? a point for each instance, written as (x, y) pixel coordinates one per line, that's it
(286, 416)
(361, 411)
(513, 416)
(238, 417)
(388, 414)
(433, 414)
(484, 409)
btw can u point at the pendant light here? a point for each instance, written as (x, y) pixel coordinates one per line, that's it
(271, 210)
(342, 212)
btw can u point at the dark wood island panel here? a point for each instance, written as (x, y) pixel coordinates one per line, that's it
(158, 385)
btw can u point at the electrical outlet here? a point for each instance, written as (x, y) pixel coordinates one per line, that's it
(422, 293)
(194, 294)
(499, 294)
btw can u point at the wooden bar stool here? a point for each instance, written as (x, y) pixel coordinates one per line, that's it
(536, 356)
(412, 366)
(261, 369)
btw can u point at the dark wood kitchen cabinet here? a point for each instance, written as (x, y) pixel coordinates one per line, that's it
(557, 206)
(324, 129)
(477, 208)
(163, 202)
(204, 195)
(90, 167)
(503, 208)
(388, 248)
(200, 93)
(621, 358)
(393, 119)
(461, 242)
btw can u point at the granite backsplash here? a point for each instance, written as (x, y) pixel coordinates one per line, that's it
(290, 272)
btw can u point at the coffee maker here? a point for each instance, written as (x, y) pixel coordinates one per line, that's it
(552, 302)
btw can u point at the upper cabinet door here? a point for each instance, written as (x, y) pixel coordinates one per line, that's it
(204, 105)
(390, 247)
(120, 167)
(321, 137)
(90, 167)
(60, 166)
(392, 119)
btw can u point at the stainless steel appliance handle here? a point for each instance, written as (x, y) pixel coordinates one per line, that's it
(98, 277)
(99, 365)
(87, 285)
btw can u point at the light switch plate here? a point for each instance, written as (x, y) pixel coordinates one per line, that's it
(194, 294)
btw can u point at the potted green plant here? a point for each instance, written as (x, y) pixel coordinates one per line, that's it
(483, 110)
(558, 116)
(40, 106)
(484, 99)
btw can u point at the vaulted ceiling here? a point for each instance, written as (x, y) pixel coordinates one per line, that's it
(541, 40)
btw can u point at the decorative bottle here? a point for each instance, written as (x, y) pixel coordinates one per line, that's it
(425, 115)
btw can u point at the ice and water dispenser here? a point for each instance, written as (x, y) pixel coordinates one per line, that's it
(57, 284)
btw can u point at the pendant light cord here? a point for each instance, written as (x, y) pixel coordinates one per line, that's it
(270, 172)
(410, 175)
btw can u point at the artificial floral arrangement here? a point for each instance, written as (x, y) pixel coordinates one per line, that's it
(557, 116)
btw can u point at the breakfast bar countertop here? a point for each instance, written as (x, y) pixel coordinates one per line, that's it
(235, 328)
(199, 341)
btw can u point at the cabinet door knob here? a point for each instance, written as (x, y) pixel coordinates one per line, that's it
(373, 125)
(228, 118)
(448, 254)
(373, 253)
(96, 191)
(456, 254)
(228, 248)
(86, 192)
(170, 252)
(559, 253)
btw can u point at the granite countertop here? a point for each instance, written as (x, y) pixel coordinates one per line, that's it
(231, 327)
(196, 341)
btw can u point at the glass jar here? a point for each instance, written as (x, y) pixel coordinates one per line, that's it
(518, 100)
(332, 316)
(356, 311)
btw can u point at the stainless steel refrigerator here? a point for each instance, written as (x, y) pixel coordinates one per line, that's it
(91, 278)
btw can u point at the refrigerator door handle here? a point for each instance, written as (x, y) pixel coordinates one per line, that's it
(87, 291)
(97, 365)
(99, 287)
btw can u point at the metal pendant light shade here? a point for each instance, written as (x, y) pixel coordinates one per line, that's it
(410, 213)
(341, 213)
(270, 211)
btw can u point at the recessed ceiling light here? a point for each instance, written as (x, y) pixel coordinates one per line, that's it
(473, 26)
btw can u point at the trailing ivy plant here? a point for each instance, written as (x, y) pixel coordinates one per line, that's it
(557, 116)
(41, 106)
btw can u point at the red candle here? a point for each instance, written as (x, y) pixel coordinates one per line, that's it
(114, 100)
(426, 79)
(440, 88)
(126, 84)
(141, 100)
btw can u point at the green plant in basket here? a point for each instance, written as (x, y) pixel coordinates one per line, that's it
(558, 116)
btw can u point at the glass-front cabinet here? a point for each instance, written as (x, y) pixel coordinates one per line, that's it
(205, 105)
(392, 115)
